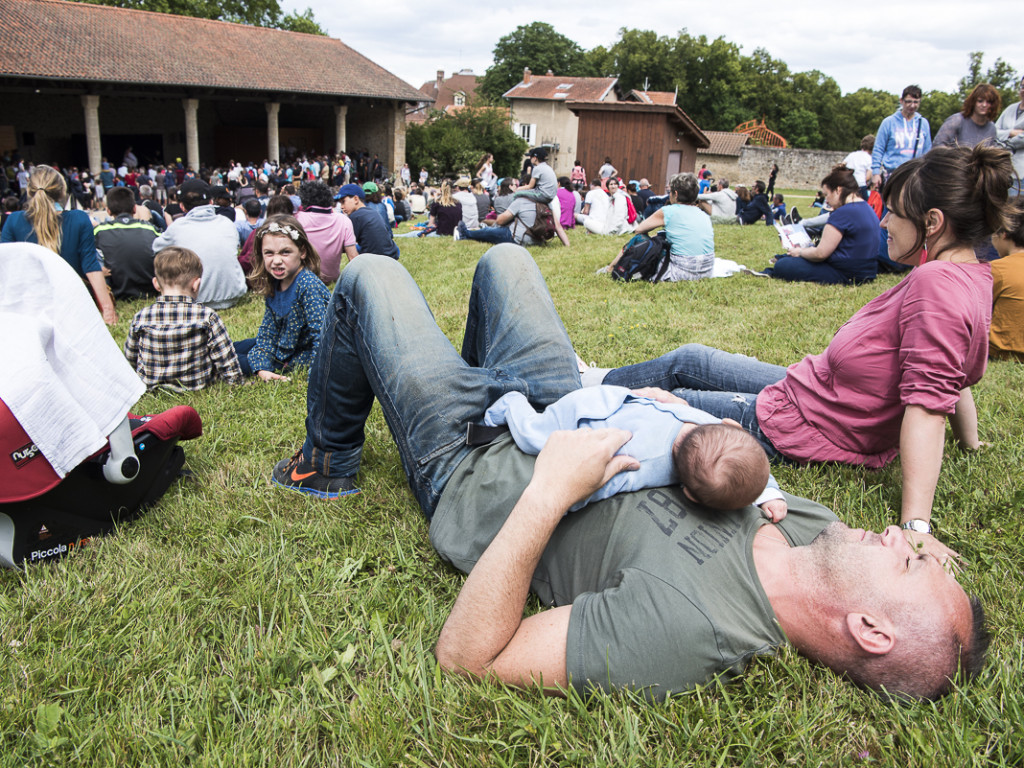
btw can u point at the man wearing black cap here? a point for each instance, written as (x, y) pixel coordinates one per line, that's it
(214, 239)
(222, 202)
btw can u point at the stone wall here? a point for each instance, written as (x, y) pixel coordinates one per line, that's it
(798, 168)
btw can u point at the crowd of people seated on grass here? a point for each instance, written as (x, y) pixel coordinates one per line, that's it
(885, 385)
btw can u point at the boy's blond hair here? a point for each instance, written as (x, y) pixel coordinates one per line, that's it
(176, 267)
(722, 467)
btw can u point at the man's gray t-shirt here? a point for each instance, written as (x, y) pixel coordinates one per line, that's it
(524, 212)
(664, 592)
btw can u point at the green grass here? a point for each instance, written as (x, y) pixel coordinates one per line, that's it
(235, 624)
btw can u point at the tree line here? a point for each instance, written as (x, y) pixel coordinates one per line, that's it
(720, 87)
(259, 13)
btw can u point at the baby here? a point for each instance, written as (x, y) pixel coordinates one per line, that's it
(718, 464)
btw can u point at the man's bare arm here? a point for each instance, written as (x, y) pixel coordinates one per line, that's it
(485, 634)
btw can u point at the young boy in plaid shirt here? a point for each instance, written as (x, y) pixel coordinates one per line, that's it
(178, 342)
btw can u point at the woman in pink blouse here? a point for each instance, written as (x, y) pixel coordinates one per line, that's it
(900, 366)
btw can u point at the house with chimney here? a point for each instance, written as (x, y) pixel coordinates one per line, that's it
(445, 94)
(645, 133)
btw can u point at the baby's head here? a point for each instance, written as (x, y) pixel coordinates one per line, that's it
(721, 466)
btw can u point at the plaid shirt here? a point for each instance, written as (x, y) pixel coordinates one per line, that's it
(180, 342)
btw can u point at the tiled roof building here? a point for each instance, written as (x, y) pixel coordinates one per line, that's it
(445, 95)
(724, 143)
(228, 82)
(589, 118)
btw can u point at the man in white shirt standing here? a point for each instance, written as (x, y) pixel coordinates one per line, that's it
(860, 163)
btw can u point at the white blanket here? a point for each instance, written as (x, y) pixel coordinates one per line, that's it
(63, 375)
(726, 268)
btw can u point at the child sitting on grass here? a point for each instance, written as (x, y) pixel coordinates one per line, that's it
(286, 271)
(1006, 336)
(778, 207)
(717, 463)
(177, 342)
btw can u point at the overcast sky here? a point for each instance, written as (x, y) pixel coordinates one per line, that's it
(883, 45)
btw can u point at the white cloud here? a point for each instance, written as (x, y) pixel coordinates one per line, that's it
(870, 46)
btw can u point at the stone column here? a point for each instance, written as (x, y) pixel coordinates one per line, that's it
(191, 132)
(91, 105)
(396, 146)
(340, 134)
(273, 137)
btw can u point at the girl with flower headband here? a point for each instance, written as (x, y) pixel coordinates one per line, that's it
(286, 269)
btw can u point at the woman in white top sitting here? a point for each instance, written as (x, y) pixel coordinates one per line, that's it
(618, 214)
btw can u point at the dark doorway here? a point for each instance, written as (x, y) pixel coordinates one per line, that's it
(147, 147)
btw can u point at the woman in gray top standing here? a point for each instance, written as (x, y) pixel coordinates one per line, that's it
(974, 124)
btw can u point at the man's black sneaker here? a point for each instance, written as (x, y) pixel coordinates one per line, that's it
(297, 474)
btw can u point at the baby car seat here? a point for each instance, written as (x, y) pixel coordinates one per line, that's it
(43, 517)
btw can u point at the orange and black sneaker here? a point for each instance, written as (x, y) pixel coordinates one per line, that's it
(297, 474)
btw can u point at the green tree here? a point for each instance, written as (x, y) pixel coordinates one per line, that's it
(1000, 74)
(642, 57)
(537, 46)
(705, 75)
(600, 62)
(938, 105)
(302, 22)
(710, 81)
(766, 90)
(260, 13)
(800, 127)
(453, 144)
(862, 112)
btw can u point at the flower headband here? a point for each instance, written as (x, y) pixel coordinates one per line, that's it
(286, 229)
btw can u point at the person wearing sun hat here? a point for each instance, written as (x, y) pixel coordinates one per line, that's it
(470, 216)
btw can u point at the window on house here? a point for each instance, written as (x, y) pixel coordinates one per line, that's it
(526, 131)
(460, 99)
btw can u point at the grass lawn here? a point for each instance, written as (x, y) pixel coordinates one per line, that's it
(236, 624)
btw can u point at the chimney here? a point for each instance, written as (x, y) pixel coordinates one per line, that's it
(440, 79)
(550, 73)
(526, 75)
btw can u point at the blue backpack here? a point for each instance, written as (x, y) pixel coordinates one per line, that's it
(643, 258)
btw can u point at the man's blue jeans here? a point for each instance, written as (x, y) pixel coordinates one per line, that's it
(380, 340)
(723, 384)
(486, 234)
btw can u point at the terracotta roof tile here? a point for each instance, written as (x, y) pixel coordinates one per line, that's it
(552, 87)
(654, 97)
(446, 96)
(61, 40)
(724, 143)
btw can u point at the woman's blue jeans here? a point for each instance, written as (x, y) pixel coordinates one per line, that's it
(380, 340)
(725, 385)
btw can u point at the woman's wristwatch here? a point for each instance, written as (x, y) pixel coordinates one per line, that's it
(917, 525)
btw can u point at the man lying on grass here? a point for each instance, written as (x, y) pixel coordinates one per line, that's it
(651, 591)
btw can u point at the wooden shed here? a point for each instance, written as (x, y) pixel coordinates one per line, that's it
(644, 140)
